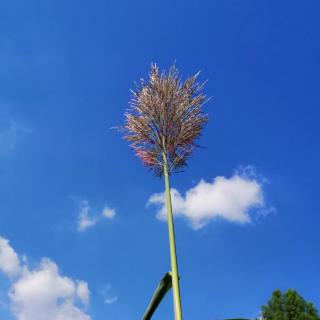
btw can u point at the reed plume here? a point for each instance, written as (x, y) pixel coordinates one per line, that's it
(165, 117)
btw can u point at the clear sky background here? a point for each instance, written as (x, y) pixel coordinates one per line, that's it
(72, 191)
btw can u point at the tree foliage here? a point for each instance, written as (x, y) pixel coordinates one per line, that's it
(289, 306)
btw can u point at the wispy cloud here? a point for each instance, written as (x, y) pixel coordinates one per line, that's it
(108, 213)
(42, 292)
(3, 305)
(107, 294)
(86, 219)
(231, 199)
(111, 300)
(10, 132)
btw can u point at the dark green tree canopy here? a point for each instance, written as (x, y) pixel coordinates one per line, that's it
(289, 306)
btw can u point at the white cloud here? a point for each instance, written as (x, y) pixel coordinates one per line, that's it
(108, 213)
(9, 260)
(86, 219)
(107, 294)
(227, 198)
(43, 293)
(111, 300)
(83, 292)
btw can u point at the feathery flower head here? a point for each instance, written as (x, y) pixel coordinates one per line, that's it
(165, 118)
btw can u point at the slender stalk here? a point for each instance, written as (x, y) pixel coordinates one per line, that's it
(173, 255)
(164, 121)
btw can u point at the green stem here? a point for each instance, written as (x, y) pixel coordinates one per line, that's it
(173, 255)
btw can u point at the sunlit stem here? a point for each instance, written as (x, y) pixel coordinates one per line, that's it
(173, 255)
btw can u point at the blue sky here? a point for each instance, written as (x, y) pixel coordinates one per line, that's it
(66, 70)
